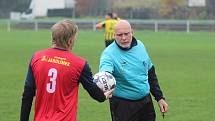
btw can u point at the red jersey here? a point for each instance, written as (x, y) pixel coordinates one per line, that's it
(56, 73)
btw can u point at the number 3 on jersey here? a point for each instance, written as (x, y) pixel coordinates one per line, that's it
(50, 87)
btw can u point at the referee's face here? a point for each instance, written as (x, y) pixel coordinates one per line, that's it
(123, 34)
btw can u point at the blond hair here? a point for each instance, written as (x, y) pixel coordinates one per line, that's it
(62, 32)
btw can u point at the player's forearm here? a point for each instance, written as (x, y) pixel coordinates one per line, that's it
(86, 80)
(94, 91)
(99, 26)
(154, 85)
(27, 99)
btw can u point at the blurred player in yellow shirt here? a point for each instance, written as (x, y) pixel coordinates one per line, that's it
(108, 25)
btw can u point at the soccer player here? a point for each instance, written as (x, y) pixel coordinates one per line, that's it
(53, 77)
(128, 61)
(108, 25)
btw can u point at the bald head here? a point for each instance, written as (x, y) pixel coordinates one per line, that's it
(122, 24)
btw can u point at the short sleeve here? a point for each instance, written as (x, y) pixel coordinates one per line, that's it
(106, 63)
(149, 63)
(148, 59)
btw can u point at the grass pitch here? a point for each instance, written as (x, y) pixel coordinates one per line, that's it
(185, 64)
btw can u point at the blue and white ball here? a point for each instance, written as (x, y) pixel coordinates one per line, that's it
(105, 81)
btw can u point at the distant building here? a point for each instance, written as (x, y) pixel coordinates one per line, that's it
(44, 8)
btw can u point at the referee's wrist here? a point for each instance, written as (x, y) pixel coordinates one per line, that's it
(159, 98)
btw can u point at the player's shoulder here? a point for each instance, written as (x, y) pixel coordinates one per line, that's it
(140, 43)
(75, 58)
(58, 52)
(110, 49)
(40, 52)
(110, 21)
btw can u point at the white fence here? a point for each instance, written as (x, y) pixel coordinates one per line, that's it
(152, 25)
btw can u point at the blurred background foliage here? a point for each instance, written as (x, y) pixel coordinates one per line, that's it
(132, 9)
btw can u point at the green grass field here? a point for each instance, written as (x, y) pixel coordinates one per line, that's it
(185, 65)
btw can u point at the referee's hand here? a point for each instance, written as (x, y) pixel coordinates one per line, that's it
(163, 106)
(108, 94)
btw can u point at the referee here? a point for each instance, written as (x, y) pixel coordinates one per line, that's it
(128, 61)
(108, 25)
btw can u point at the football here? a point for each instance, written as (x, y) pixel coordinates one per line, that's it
(104, 80)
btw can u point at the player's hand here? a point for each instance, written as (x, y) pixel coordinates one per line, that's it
(163, 105)
(108, 94)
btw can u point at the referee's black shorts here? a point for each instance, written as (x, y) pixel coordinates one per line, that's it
(132, 110)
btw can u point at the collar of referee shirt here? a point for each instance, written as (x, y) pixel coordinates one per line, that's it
(133, 43)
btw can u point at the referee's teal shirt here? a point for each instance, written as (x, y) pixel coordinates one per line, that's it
(130, 69)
